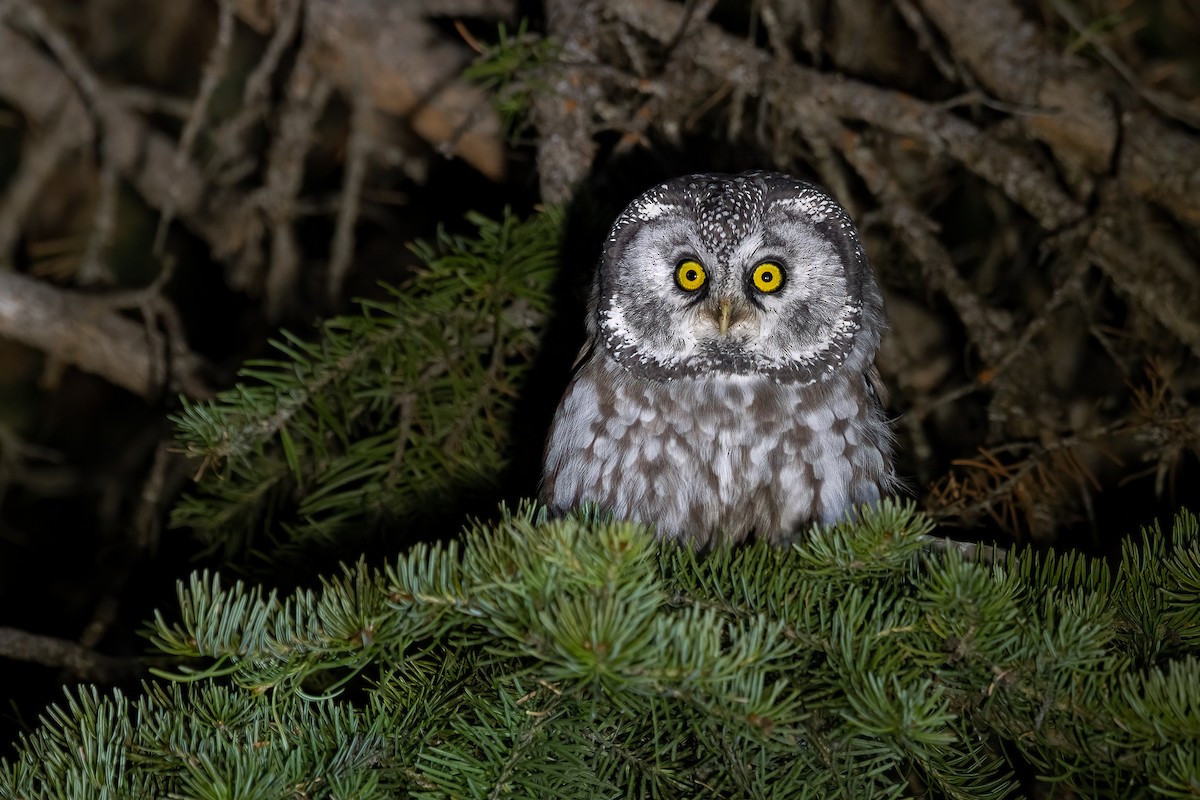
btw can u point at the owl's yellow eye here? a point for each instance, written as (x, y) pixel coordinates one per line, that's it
(690, 275)
(767, 277)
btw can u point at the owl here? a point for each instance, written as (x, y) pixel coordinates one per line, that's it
(727, 388)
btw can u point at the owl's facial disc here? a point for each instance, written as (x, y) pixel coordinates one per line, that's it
(753, 275)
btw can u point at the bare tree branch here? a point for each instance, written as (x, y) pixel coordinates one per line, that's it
(1077, 117)
(41, 158)
(308, 93)
(44, 94)
(400, 63)
(83, 330)
(83, 663)
(936, 130)
(358, 152)
(563, 113)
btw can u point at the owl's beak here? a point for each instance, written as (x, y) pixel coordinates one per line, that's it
(724, 312)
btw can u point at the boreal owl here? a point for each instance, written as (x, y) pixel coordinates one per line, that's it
(727, 388)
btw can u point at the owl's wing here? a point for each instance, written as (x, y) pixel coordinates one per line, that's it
(584, 353)
(876, 386)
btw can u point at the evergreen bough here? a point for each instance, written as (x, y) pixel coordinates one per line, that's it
(579, 657)
(400, 409)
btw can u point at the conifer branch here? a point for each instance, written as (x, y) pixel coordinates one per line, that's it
(346, 436)
(580, 657)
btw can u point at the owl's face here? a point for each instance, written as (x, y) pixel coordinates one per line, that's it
(741, 275)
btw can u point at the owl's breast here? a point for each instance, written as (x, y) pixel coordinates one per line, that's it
(724, 457)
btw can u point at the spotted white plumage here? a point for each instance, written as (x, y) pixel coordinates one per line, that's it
(710, 403)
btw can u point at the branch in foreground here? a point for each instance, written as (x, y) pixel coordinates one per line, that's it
(581, 658)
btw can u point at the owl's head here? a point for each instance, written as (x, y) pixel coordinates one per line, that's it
(752, 274)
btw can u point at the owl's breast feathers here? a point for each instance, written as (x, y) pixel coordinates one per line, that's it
(723, 457)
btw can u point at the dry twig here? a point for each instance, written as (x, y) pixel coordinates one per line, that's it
(82, 662)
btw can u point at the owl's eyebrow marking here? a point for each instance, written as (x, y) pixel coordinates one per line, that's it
(816, 208)
(652, 210)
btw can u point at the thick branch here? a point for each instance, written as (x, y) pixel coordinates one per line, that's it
(563, 113)
(85, 331)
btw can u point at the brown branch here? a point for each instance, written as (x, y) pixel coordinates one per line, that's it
(938, 132)
(386, 52)
(307, 95)
(33, 17)
(935, 129)
(1010, 58)
(358, 153)
(210, 77)
(562, 113)
(94, 267)
(45, 95)
(1156, 289)
(389, 54)
(1077, 119)
(83, 330)
(39, 160)
(229, 138)
(1161, 164)
(995, 488)
(1166, 103)
(367, 47)
(261, 15)
(988, 328)
(213, 71)
(80, 661)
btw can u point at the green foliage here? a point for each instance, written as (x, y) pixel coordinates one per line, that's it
(511, 70)
(399, 409)
(579, 657)
(229, 744)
